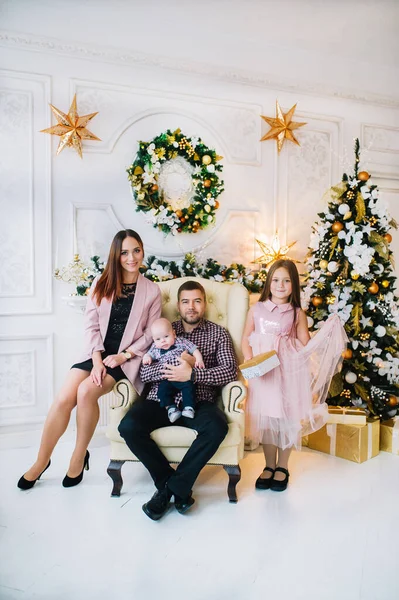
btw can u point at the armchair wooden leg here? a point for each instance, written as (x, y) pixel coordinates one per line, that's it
(114, 471)
(234, 473)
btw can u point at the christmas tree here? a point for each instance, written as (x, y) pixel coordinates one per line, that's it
(350, 273)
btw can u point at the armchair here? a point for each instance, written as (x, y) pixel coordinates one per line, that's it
(227, 305)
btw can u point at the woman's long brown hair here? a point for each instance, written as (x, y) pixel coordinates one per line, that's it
(295, 297)
(110, 283)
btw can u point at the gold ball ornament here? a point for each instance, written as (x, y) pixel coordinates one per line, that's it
(373, 288)
(347, 354)
(363, 176)
(387, 237)
(317, 301)
(385, 283)
(337, 226)
(392, 400)
(182, 219)
(207, 183)
(217, 204)
(154, 188)
(323, 264)
(355, 276)
(206, 159)
(179, 213)
(196, 224)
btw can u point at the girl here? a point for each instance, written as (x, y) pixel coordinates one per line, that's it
(121, 307)
(288, 401)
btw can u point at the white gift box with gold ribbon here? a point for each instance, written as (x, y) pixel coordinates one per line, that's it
(259, 365)
(347, 415)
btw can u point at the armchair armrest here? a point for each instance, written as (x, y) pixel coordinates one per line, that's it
(233, 394)
(126, 394)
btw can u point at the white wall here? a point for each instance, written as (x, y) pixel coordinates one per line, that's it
(47, 200)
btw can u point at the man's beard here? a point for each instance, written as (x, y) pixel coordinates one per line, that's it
(191, 320)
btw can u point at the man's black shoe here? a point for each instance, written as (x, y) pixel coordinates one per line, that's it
(183, 504)
(158, 505)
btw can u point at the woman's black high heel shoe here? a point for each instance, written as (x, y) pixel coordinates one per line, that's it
(280, 486)
(264, 483)
(72, 481)
(25, 484)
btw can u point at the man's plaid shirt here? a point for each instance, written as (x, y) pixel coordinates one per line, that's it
(216, 347)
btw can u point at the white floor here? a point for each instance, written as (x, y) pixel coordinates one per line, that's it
(333, 535)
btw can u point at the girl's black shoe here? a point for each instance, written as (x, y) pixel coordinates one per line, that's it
(280, 486)
(264, 484)
(72, 481)
(24, 484)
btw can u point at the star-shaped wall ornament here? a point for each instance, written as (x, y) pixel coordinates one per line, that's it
(281, 127)
(71, 128)
(273, 251)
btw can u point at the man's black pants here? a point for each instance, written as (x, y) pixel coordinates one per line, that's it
(146, 415)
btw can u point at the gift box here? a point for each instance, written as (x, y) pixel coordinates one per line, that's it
(389, 436)
(352, 442)
(347, 415)
(259, 364)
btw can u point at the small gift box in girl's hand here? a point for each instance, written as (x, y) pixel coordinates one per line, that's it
(259, 364)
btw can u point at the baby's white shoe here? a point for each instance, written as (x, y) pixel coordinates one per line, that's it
(174, 414)
(188, 412)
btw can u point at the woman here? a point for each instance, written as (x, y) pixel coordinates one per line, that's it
(121, 307)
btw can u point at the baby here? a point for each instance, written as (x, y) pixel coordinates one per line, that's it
(166, 346)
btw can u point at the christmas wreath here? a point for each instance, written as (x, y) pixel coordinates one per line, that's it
(174, 179)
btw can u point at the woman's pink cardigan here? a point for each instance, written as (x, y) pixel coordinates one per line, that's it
(137, 336)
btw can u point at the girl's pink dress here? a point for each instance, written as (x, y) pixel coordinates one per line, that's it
(289, 401)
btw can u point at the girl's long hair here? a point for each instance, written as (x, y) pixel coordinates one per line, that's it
(284, 263)
(295, 296)
(110, 283)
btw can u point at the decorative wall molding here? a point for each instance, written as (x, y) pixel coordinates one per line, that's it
(24, 41)
(303, 174)
(380, 138)
(384, 172)
(26, 378)
(27, 192)
(17, 275)
(80, 243)
(18, 377)
(235, 126)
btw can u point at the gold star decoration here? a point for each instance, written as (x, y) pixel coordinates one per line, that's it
(71, 128)
(273, 251)
(281, 127)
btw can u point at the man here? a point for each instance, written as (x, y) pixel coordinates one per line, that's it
(209, 422)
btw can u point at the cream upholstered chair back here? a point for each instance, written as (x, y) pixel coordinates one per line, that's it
(227, 305)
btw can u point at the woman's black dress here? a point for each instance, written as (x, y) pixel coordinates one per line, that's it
(120, 312)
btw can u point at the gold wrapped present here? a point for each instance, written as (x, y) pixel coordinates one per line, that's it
(259, 364)
(305, 441)
(347, 415)
(352, 442)
(389, 436)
